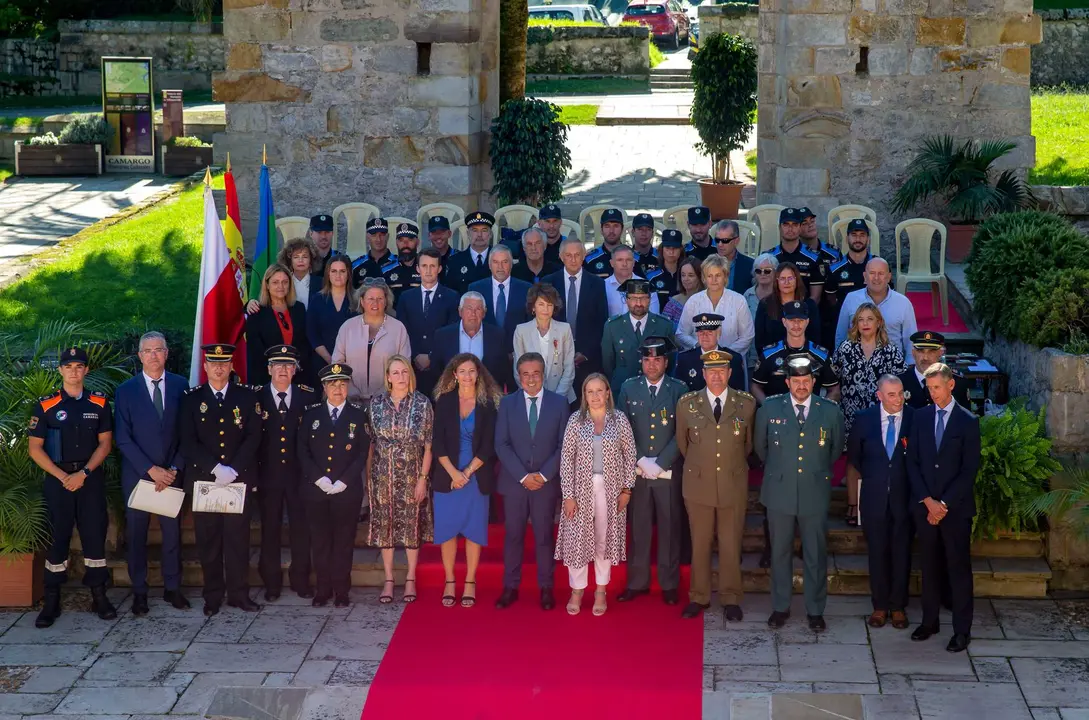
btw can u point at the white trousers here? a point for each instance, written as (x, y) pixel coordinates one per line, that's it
(579, 577)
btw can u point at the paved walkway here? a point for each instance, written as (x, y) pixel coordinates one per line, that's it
(1028, 661)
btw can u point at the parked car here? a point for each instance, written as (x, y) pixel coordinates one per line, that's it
(578, 13)
(666, 19)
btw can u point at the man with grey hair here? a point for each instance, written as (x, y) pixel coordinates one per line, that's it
(585, 307)
(622, 260)
(472, 335)
(895, 308)
(534, 265)
(727, 235)
(504, 299)
(146, 431)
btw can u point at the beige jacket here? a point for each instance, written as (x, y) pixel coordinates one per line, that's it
(368, 369)
(559, 360)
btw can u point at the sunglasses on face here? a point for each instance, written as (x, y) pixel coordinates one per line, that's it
(371, 282)
(725, 241)
(764, 271)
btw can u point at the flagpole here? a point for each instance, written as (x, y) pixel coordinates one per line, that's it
(228, 161)
(208, 176)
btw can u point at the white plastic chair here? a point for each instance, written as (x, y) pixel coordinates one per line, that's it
(767, 217)
(676, 217)
(593, 214)
(292, 227)
(850, 212)
(570, 228)
(517, 217)
(837, 235)
(356, 215)
(920, 234)
(750, 237)
(450, 211)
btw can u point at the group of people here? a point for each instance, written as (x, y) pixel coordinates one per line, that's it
(536, 372)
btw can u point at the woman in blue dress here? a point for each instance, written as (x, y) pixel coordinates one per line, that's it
(466, 403)
(329, 308)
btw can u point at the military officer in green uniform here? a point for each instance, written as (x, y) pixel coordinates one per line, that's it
(714, 433)
(650, 403)
(797, 486)
(624, 333)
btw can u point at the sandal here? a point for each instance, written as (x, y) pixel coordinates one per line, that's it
(447, 599)
(599, 603)
(467, 601)
(852, 515)
(385, 598)
(574, 605)
(409, 597)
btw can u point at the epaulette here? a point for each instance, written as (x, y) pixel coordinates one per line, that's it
(43, 398)
(98, 398)
(689, 247)
(842, 262)
(654, 272)
(391, 265)
(258, 388)
(768, 350)
(743, 394)
(307, 388)
(359, 261)
(777, 250)
(192, 389)
(831, 250)
(818, 350)
(311, 406)
(653, 253)
(595, 254)
(356, 404)
(808, 253)
(49, 401)
(692, 399)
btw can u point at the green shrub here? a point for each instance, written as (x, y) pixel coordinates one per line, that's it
(1002, 223)
(1053, 308)
(529, 153)
(185, 141)
(90, 129)
(724, 81)
(47, 139)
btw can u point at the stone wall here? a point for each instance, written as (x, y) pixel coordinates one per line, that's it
(1063, 56)
(734, 18)
(1070, 201)
(608, 51)
(29, 67)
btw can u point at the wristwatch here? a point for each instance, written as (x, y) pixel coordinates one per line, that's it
(87, 471)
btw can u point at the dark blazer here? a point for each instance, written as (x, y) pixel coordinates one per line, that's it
(885, 481)
(447, 344)
(421, 328)
(770, 330)
(263, 332)
(213, 434)
(143, 439)
(519, 452)
(917, 396)
(948, 473)
(742, 270)
(516, 305)
(280, 432)
(446, 440)
(344, 461)
(593, 311)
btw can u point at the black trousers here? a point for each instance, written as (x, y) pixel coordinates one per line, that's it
(86, 509)
(333, 520)
(520, 507)
(223, 544)
(954, 536)
(274, 494)
(888, 539)
(656, 502)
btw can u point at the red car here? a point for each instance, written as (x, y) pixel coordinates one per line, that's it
(666, 19)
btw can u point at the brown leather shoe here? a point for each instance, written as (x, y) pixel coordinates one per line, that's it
(878, 618)
(899, 620)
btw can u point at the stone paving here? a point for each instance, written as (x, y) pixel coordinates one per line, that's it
(1027, 661)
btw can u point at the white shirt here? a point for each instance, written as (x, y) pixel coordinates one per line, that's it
(538, 397)
(737, 331)
(302, 289)
(641, 322)
(434, 290)
(223, 391)
(618, 304)
(896, 309)
(338, 408)
(658, 386)
(886, 418)
(477, 256)
(712, 397)
(151, 387)
(276, 396)
(807, 405)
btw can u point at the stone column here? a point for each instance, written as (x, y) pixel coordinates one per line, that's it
(849, 89)
(381, 101)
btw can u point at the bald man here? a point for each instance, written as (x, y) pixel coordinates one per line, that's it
(895, 308)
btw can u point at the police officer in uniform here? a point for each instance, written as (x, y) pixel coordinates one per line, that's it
(550, 219)
(797, 487)
(927, 348)
(321, 234)
(70, 435)
(332, 448)
(220, 431)
(689, 367)
(624, 333)
(699, 228)
(770, 377)
(599, 260)
(662, 279)
(401, 273)
(378, 256)
(715, 435)
(808, 234)
(650, 403)
(792, 249)
(281, 411)
(471, 264)
(642, 235)
(845, 276)
(439, 235)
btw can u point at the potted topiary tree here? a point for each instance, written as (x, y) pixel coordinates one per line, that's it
(529, 153)
(186, 156)
(961, 173)
(724, 78)
(76, 151)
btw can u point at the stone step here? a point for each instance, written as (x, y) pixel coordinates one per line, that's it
(674, 86)
(660, 72)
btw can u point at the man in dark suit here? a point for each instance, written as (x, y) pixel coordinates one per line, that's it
(585, 292)
(471, 264)
(943, 459)
(504, 297)
(528, 438)
(927, 348)
(281, 411)
(145, 427)
(424, 310)
(727, 235)
(877, 453)
(473, 335)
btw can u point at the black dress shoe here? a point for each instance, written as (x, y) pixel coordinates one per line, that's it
(244, 604)
(507, 598)
(733, 613)
(272, 595)
(305, 592)
(139, 604)
(176, 599)
(765, 559)
(210, 609)
(693, 609)
(548, 599)
(320, 601)
(923, 632)
(958, 643)
(101, 605)
(669, 597)
(778, 619)
(51, 608)
(341, 600)
(817, 623)
(628, 595)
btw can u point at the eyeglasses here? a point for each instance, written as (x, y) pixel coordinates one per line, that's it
(724, 241)
(153, 351)
(787, 279)
(763, 271)
(371, 282)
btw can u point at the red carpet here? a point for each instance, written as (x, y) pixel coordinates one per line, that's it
(926, 319)
(639, 660)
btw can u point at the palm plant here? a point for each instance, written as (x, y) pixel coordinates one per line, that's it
(1069, 502)
(961, 173)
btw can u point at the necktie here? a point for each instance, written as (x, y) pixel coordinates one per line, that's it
(654, 392)
(639, 330)
(801, 413)
(501, 307)
(572, 304)
(282, 407)
(334, 415)
(718, 409)
(219, 396)
(427, 301)
(480, 262)
(940, 430)
(532, 416)
(890, 437)
(157, 397)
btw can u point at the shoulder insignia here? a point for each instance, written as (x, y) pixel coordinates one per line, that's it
(307, 388)
(391, 265)
(97, 398)
(774, 348)
(689, 247)
(777, 250)
(743, 395)
(818, 350)
(311, 406)
(654, 272)
(690, 397)
(354, 403)
(831, 250)
(258, 388)
(359, 261)
(809, 253)
(49, 401)
(192, 389)
(594, 254)
(842, 262)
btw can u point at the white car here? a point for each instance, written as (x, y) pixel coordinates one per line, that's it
(578, 13)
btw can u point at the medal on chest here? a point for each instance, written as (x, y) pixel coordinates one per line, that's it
(823, 438)
(351, 433)
(203, 408)
(237, 416)
(665, 416)
(737, 426)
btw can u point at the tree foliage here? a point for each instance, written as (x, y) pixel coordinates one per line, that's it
(724, 102)
(529, 153)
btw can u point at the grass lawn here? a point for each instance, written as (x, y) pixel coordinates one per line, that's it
(580, 86)
(138, 273)
(750, 162)
(1059, 119)
(20, 121)
(6, 171)
(1059, 4)
(578, 114)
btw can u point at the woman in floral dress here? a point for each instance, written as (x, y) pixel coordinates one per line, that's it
(397, 472)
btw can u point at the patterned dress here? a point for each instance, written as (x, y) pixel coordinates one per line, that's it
(575, 544)
(398, 435)
(858, 376)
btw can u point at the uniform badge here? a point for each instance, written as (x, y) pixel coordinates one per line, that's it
(265, 416)
(737, 426)
(62, 415)
(316, 425)
(907, 394)
(259, 409)
(779, 361)
(599, 265)
(33, 422)
(621, 341)
(824, 436)
(660, 284)
(203, 408)
(843, 274)
(351, 433)
(464, 270)
(237, 416)
(692, 372)
(665, 416)
(393, 277)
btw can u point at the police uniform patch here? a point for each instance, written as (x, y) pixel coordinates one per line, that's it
(659, 284)
(362, 269)
(692, 372)
(33, 422)
(316, 425)
(393, 277)
(203, 407)
(779, 361)
(907, 394)
(62, 415)
(844, 275)
(464, 270)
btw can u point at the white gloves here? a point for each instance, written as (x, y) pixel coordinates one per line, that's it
(329, 487)
(650, 467)
(224, 475)
(338, 487)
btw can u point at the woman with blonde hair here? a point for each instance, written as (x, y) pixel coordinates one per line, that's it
(597, 473)
(398, 465)
(466, 404)
(367, 343)
(280, 320)
(549, 337)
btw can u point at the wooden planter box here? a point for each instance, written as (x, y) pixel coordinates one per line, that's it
(21, 580)
(185, 160)
(36, 160)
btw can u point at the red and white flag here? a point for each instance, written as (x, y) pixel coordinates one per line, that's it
(220, 314)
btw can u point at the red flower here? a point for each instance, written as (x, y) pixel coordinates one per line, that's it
(904, 442)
